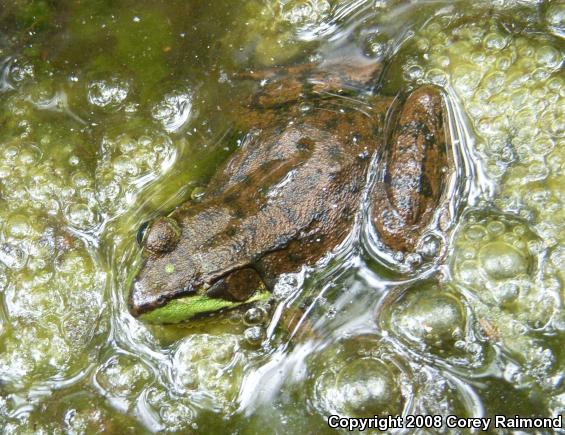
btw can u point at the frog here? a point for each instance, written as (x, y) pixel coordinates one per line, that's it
(290, 194)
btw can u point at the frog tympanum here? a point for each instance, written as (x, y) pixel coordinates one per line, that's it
(290, 193)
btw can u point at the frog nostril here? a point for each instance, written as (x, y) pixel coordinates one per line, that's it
(141, 232)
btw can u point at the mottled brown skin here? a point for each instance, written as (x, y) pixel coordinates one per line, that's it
(289, 195)
(404, 201)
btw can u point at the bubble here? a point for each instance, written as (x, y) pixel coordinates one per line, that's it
(176, 415)
(555, 18)
(354, 378)
(443, 61)
(80, 180)
(29, 155)
(496, 228)
(495, 41)
(80, 215)
(553, 121)
(254, 335)
(125, 143)
(13, 256)
(542, 145)
(558, 258)
(201, 363)
(467, 272)
(224, 352)
(503, 63)
(368, 387)
(125, 166)
(519, 230)
(466, 78)
(21, 70)
(255, 315)
(174, 110)
(539, 75)
(493, 81)
(9, 153)
(501, 261)
(430, 247)
(197, 193)
(437, 77)
(506, 293)
(18, 226)
(431, 316)
(475, 232)
(122, 376)
(413, 260)
(5, 171)
(413, 73)
(110, 93)
(422, 44)
(377, 45)
(538, 171)
(434, 28)
(309, 18)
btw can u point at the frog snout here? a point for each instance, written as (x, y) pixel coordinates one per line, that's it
(160, 235)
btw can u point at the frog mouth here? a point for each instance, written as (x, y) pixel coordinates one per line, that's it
(186, 308)
(235, 288)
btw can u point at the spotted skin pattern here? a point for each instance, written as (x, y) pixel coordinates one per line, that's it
(291, 192)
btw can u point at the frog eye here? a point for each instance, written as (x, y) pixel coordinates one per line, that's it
(141, 233)
(163, 235)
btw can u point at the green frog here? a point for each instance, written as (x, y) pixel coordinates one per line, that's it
(291, 192)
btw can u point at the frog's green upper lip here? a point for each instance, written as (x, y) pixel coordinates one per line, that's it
(181, 305)
(184, 308)
(141, 301)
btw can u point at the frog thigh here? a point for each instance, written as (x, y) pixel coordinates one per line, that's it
(413, 173)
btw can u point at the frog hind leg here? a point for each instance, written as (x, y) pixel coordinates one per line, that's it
(414, 170)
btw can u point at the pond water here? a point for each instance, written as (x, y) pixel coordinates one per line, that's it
(114, 112)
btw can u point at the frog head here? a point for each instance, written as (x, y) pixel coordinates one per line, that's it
(192, 264)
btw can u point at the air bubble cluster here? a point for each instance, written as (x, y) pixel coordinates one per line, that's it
(355, 382)
(362, 375)
(52, 288)
(128, 164)
(511, 87)
(500, 259)
(174, 111)
(121, 379)
(432, 318)
(108, 94)
(513, 90)
(59, 183)
(200, 366)
(286, 27)
(502, 263)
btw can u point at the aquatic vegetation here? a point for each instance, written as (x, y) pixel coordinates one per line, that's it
(281, 30)
(511, 90)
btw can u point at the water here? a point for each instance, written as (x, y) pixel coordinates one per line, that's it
(115, 112)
